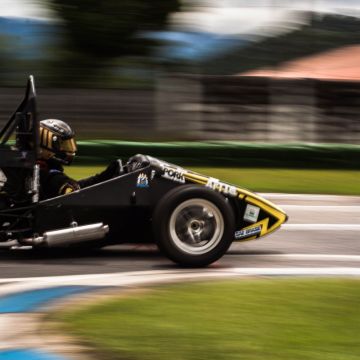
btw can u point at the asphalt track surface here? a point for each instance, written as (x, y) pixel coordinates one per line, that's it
(323, 232)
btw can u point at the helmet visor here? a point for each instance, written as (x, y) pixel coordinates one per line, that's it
(68, 146)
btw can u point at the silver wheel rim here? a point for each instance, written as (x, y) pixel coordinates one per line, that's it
(196, 226)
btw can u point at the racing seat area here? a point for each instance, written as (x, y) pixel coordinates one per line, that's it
(16, 190)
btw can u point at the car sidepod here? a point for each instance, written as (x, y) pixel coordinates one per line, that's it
(124, 203)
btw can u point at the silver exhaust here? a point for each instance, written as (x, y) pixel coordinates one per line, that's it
(8, 244)
(71, 236)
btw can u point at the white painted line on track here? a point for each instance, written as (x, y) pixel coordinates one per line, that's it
(320, 257)
(307, 197)
(115, 279)
(81, 279)
(313, 257)
(321, 227)
(325, 271)
(340, 208)
(166, 276)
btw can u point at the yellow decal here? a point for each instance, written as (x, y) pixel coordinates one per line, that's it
(272, 210)
(198, 179)
(245, 195)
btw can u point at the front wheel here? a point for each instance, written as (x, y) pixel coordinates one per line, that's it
(193, 225)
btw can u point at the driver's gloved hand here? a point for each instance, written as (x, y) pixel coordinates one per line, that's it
(137, 162)
(113, 169)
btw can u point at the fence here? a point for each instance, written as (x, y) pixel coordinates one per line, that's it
(207, 108)
(261, 109)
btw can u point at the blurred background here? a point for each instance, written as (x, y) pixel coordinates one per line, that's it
(274, 71)
(262, 93)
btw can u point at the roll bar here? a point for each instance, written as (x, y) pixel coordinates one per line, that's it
(25, 125)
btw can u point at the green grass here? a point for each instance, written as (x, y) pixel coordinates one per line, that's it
(275, 319)
(345, 182)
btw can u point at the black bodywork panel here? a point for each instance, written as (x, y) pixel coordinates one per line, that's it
(119, 203)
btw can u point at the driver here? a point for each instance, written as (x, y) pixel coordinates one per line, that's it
(58, 148)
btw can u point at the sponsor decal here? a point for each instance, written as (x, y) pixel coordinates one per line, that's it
(251, 213)
(248, 232)
(3, 179)
(221, 187)
(142, 181)
(174, 174)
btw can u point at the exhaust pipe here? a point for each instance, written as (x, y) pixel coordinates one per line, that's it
(71, 236)
(9, 244)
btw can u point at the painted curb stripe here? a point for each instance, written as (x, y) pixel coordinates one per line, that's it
(28, 354)
(160, 276)
(29, 301)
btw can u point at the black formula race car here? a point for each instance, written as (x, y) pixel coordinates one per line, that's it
(191, 217)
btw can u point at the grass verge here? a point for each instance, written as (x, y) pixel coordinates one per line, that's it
(342, 182)
(272, 319)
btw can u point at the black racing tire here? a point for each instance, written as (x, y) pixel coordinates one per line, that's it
(193, 225)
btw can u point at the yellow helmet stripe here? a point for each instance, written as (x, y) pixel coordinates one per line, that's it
(41, 136)
(49, 139)
(74, 144)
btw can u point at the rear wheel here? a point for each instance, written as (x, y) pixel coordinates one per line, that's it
(193, 225)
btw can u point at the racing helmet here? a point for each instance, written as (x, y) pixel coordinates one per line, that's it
(57, 141)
